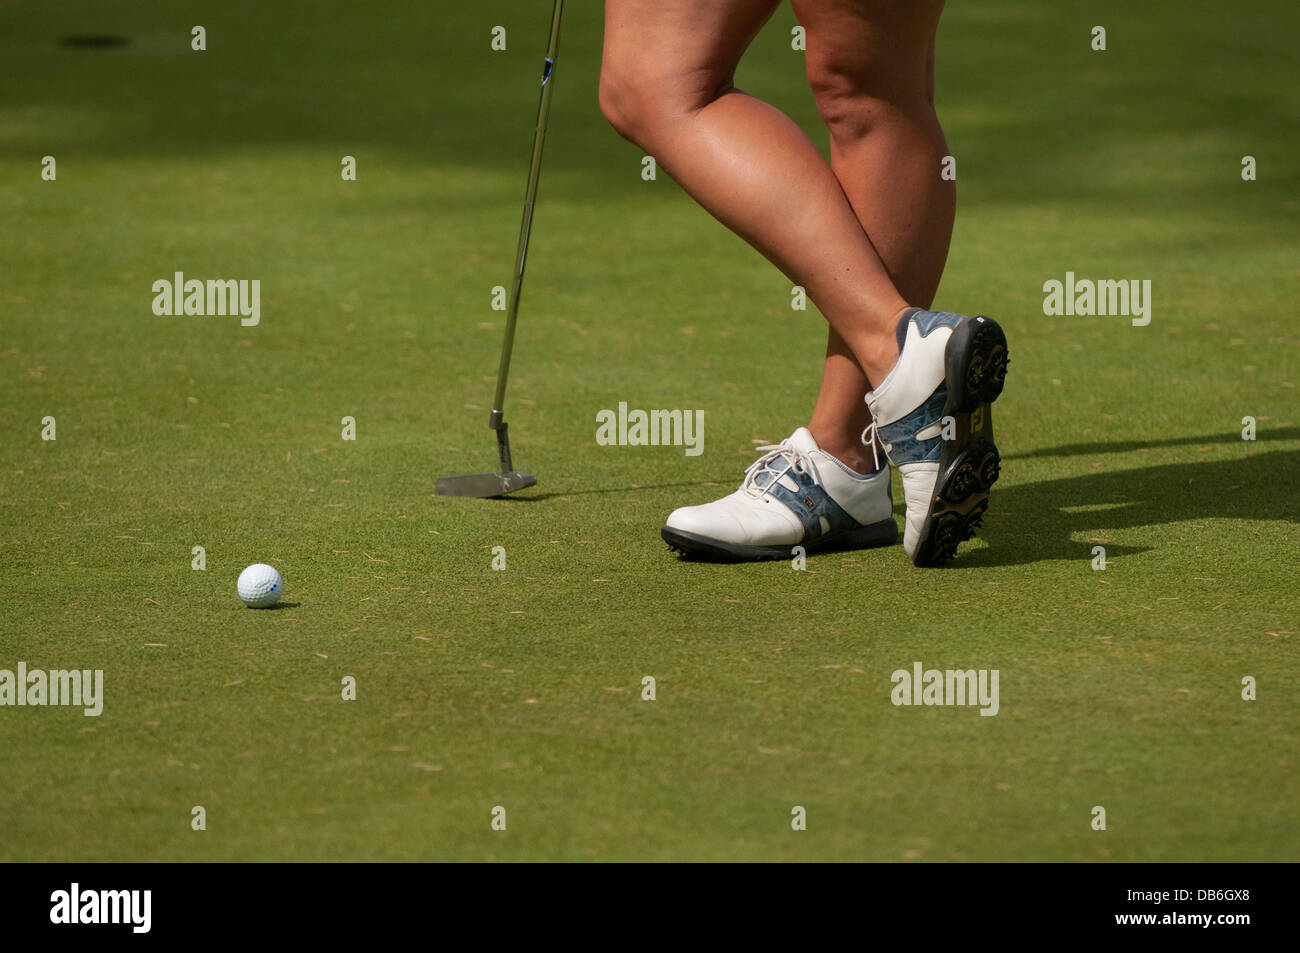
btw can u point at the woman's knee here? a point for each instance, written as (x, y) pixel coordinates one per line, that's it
(641, 102)
(634, 102)
(870, 62)
(664, 61)
(617, 94)
(855, 98)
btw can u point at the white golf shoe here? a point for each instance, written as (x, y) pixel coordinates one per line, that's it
(796, 494)
(932, 416)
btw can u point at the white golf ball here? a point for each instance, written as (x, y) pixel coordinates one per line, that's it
(260, 586)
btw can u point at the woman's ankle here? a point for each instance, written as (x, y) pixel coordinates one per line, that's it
(847, 448)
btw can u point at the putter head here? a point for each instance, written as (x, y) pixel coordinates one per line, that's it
(484, 486)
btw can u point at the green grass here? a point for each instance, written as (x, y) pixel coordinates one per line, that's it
(522, 688)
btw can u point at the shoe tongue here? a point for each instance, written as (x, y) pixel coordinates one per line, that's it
(801, 439)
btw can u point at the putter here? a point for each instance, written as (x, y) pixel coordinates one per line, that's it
(507, 479)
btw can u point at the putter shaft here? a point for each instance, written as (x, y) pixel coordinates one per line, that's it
(506, 480)
(525, 228)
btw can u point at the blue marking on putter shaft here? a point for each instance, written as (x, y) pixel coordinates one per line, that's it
(507, 479)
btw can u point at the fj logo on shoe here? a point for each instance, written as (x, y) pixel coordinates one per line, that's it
(977, 419)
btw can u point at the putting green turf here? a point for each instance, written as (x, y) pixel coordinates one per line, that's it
(521, 688)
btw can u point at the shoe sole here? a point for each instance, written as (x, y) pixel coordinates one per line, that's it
(694, 546)
(975, 369)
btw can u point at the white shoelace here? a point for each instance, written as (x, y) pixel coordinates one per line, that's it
(794, 459)
(871, 438)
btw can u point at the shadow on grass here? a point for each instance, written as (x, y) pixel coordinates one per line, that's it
(625, 488)
(1127, 446)
(1035, 521)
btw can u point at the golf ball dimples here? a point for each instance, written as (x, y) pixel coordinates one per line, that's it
(260, 586)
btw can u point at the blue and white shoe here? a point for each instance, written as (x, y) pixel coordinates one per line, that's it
(932, 416)
(796, 494)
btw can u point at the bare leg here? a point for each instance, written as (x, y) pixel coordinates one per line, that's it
(871, 67)
(666, 84)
